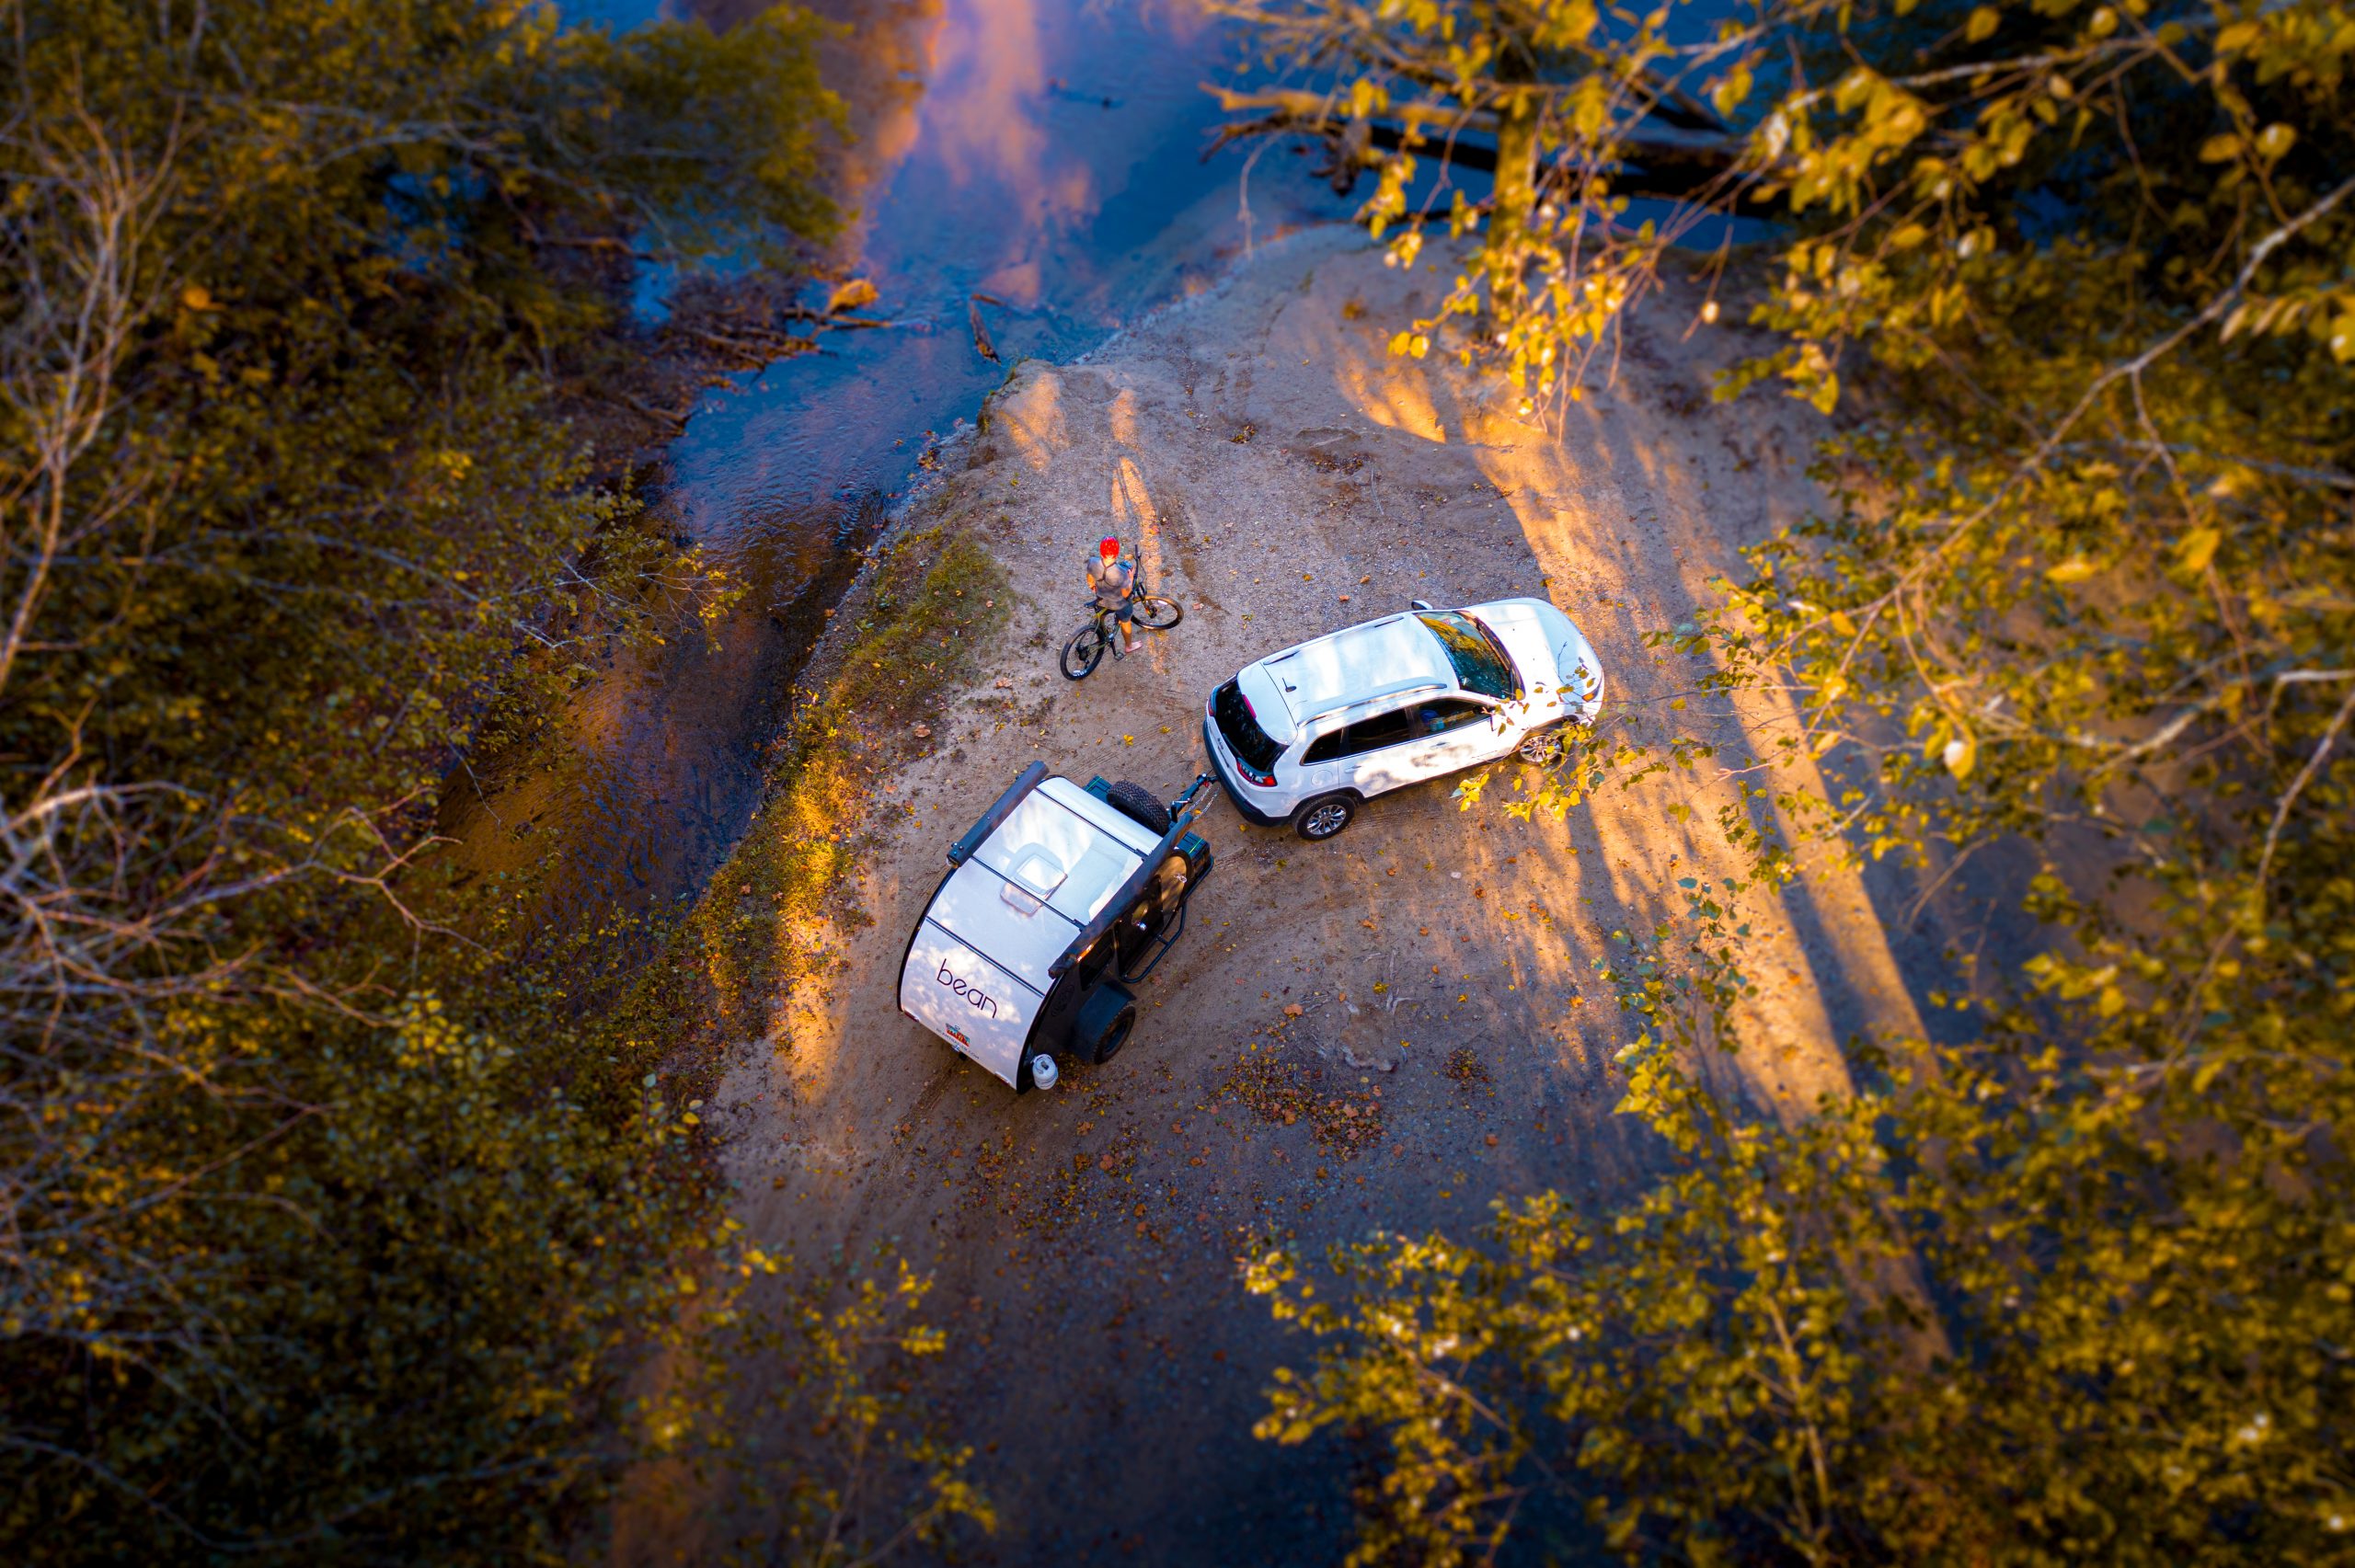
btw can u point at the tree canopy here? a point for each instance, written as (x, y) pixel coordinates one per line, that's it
(2078, 281)
(329, 1229)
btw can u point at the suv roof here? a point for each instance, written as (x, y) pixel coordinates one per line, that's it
(1358, 663)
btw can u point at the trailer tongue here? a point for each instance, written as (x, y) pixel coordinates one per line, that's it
(1057, 900)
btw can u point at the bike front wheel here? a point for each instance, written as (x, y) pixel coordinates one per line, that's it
(1083, 652)
(1156, 613)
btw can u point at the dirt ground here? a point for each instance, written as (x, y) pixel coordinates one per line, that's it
(1453, 1043)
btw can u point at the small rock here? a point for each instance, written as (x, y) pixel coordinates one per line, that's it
(924, 732)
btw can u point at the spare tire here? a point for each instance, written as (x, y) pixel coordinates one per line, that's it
(1139, 805)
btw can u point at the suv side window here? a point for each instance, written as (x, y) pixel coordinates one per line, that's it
(1447, 713)
(1366, 734)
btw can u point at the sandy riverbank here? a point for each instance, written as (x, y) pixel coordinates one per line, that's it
(1284, 476)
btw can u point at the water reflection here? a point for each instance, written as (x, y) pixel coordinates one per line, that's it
(1051, 161)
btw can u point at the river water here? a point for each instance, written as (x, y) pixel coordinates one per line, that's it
(1046, 154)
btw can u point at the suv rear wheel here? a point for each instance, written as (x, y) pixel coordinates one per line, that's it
(1324, 816)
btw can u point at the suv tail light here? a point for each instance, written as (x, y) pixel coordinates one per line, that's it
(1265, 781)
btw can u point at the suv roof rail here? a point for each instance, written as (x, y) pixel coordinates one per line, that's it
(1387, 689)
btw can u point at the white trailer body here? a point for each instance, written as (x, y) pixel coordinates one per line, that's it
(1026, 885)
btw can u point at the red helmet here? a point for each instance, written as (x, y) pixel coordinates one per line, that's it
(1110, 548)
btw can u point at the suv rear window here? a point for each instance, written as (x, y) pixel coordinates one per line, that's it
(1480, 665)
(1249, 742)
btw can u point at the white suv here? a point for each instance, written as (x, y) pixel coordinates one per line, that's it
(1304, 735)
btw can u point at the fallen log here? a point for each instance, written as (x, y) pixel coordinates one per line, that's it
(1670, 167)
(982, 344)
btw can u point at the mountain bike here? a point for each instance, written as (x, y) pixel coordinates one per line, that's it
(1085, 650)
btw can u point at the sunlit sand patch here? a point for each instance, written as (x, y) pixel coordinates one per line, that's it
(1123, 417)
(1795, 1057)
(1030, 413)
(1393, 393)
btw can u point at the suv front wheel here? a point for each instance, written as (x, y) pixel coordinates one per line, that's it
(1540, 748)
(1324, 816)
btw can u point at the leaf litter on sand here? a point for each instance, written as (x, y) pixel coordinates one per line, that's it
(1285, 1091)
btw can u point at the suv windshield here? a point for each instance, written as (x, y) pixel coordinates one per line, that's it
(1250, 743)
(1480, 665)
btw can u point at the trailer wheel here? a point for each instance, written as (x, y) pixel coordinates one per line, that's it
(1139, 805)
(1105, 1019)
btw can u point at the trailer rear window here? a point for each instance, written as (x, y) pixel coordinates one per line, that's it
(1244, 736)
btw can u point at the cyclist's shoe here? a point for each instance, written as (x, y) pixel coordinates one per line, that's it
(1134, 645)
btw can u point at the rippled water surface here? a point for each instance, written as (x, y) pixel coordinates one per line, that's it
(1045, 154)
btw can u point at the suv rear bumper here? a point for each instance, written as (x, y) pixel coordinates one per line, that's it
(1244, 809)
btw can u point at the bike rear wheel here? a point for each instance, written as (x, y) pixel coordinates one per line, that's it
(1083, 652)
(1156, 613)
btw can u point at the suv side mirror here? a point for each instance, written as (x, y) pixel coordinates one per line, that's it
(1418, 604)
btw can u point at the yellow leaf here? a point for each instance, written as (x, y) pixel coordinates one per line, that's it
(1908, 236)
(1982, 24)
(2076, 569)
(1730, 93)
(1961, 754)
(2196, 548)
(852, 295)
(197, 297)
(2221, 148)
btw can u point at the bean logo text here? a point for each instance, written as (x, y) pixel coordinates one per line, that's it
(975, 997)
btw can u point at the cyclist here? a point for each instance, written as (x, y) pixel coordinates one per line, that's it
(1114, 582)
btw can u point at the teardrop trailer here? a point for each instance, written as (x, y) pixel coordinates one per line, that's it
(1057, 901)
